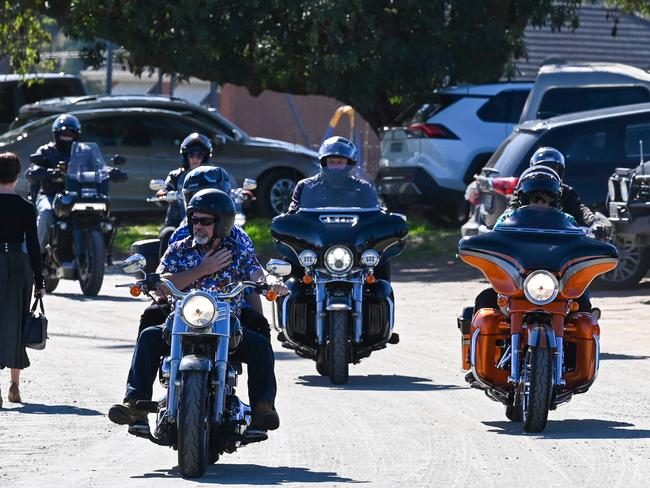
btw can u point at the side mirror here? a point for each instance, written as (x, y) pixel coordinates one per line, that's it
(155, 185)
(134, 264)
(401, 216)
(278, 267)
(596, 313)
(118, 160)
(249, 184)
(220, 140)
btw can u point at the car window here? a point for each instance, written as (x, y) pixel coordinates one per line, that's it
(6, 102)
(116, 130)
(167, 133)
(24, 130)
(438, 103)
(634, 134)
(51, 88)
(557, 101)
(590, 147)
(504, 107)
(511, 152)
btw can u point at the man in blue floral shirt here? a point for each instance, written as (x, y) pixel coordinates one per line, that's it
(210, 259)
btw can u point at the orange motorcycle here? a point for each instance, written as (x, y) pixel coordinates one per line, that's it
(535, 350)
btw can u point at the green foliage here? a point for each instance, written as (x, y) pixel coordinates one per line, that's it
(127, 235)
(375, 55)
(22, 33)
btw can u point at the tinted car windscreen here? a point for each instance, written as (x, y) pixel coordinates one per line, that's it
(558, 101)
(509, 154)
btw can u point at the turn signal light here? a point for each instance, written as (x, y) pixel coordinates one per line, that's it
(135, 291)
(502, 301)
(307, 279)
(574, 306)
(370, 279)
(271, 295)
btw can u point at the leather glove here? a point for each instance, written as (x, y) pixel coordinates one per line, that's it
(600, 231)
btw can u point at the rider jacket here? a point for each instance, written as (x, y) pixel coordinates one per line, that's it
(46, 157)
(174, 182)
(353, 192)
(570, 203)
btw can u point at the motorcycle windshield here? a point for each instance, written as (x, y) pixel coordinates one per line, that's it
(347, 194)
(87, 165)
(538, 238)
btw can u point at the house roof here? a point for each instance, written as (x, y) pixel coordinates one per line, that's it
(591, 41)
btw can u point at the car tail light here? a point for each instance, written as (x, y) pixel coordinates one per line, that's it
(504, 186)
(472, 195)
(431, 131)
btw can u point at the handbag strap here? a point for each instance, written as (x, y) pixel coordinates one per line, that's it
(38, 301)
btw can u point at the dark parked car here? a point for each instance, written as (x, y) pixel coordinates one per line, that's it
(149, 137)
(17, 90)
(594, 143)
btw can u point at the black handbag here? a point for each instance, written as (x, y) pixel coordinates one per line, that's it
(35, 331)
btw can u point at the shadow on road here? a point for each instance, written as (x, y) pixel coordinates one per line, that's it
(613, 356)
(378, 382)
(254, 474)
(574, 429)
(80, 297)
(39, 408)
(284, 355)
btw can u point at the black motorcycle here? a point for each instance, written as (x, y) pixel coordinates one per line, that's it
(83, 228)
(201, 415)
(339, 311)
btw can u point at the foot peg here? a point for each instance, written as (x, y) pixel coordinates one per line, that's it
(394, 338)
(255, 435)
(147, 406)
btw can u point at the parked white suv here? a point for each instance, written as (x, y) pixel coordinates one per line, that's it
(431, 159)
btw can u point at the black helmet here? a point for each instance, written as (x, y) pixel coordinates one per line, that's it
(539, 181)
(337, 147)
(205, 177)
(551, 158)
(215, 203)
(198, 142)
(65, 123)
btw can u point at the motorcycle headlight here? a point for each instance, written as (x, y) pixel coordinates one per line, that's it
(308, 258)
(198, 311)
(370, 258)
(338, 259)
(541, 287)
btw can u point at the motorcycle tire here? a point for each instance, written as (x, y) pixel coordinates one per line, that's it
(632, 267)
(537, 401)
(51, 284)
(192, 425)
(322, 368)
(513, 409)
(338, 347)
(91, 266)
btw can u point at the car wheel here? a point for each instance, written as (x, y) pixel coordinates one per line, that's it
(633, 264)
(275, 191)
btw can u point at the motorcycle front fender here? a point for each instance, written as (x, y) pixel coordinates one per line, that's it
(194, 363)
(541, 336)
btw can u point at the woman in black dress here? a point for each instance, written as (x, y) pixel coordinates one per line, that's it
(18, 271)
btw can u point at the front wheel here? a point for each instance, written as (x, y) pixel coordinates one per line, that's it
(192, 424)
(537, 386)
(91, 263)
(338, 347)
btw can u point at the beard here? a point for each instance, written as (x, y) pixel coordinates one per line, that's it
(201, 239)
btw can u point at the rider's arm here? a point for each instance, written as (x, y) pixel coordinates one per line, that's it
(572, 205)
(294, 206)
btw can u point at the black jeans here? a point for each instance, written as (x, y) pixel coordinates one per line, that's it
(488, 299)
(156, 314)
(254, 350)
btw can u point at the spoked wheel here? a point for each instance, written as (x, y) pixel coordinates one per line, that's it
(338, 347)
(91, 263)
(536, 386)
(193, 428)
(633, 264)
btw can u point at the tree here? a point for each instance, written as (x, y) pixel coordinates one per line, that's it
(22, 33)
(376, 55)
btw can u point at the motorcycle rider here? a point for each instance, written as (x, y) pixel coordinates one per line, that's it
(195, 151)
(201, 178)
(210, 258)
(570, 201)
(46, 176)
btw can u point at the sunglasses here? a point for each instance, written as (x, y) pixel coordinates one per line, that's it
(541, 198)
(204, 221)
(196, 154)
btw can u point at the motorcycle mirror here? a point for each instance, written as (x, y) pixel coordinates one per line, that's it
(249, 184)
(118, 160)
(134, 264)
(278, 267)
(596, 313)
(220, 140)
(401, 216)
(155, 185)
